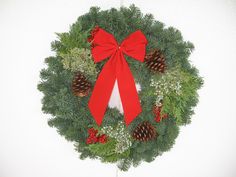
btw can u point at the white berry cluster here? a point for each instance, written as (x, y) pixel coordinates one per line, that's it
(169, 82)
(120, 134)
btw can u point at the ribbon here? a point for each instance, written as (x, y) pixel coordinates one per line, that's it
(105, 46)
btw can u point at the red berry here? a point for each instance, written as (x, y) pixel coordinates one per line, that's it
(102, 139)
(165, 116)
(94, 139)
(89, 141)
(92, 131)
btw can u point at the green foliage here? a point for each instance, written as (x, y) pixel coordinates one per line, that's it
(124, 164)
(71, 116)
(77, 38)
(107, 151)
(178, 105)
(167, 83)
(80, 59)
(177, 89)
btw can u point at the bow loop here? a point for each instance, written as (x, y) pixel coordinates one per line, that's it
(134, 45)
(104, 45)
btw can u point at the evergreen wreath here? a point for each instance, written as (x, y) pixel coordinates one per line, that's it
(168, 82)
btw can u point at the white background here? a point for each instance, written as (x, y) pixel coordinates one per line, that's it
(30, 148)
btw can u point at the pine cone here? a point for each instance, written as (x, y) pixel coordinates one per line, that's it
(145, 131)
(155, 61)
(80, 85)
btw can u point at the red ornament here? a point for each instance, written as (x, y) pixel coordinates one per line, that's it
(105, 46)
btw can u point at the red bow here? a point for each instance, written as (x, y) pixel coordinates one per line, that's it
(104, 45)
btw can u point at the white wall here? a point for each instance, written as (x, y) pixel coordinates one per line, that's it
(29, 148)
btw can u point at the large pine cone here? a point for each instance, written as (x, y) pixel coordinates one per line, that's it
(145, 131)
(155, 61)
(80, 85)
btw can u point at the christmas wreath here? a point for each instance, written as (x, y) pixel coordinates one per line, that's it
(149, 65)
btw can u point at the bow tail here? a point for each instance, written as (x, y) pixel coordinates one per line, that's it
(102, 91)
(128, 93)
